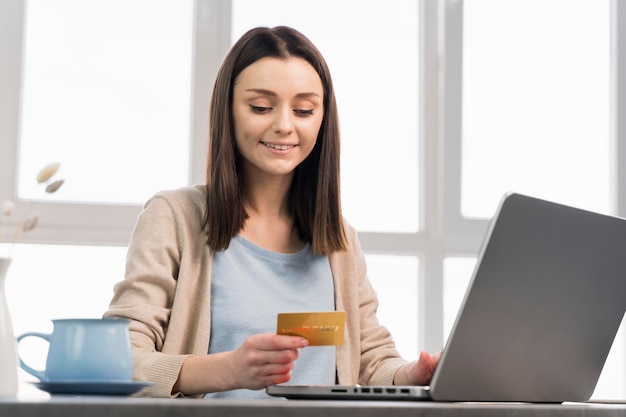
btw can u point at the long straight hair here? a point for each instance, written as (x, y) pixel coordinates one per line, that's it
(314, 195)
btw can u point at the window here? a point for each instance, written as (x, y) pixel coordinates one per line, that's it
(398, 291)
(536, 103)
(444, 106)
(457, 273)
(110, 99)
(106, 97)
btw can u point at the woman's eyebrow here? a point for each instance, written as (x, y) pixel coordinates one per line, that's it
(262, 91)
(307, 95)
(271, 93)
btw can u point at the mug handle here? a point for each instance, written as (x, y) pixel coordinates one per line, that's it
(39, 374)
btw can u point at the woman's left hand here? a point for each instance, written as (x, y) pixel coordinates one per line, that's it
(418, 372)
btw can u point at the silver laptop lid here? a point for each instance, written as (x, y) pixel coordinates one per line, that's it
(543, 307)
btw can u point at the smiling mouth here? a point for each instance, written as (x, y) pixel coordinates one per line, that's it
(279, 147)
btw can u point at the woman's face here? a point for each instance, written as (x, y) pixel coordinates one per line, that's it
(277, 111)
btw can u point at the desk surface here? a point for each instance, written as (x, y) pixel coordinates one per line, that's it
(68, 406)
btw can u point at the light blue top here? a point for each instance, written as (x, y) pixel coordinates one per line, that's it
(251, 285)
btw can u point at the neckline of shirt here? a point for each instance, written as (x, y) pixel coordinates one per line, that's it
(253, 247)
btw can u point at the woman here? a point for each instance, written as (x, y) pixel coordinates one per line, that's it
(209, 267)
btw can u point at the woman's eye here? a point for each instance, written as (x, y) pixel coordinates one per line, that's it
(259, 109)
(303, 113)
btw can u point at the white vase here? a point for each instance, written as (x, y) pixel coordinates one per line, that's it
(8, 350)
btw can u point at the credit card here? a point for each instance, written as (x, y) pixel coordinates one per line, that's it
(319, 328)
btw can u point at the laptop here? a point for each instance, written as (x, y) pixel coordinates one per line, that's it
(539, 317)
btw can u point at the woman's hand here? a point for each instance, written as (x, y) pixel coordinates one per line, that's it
(262, 360)
(265, 359)
(418, 372)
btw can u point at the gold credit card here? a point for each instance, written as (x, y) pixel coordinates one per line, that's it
(320, 329)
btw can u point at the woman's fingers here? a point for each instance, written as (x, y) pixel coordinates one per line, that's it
(266, 359)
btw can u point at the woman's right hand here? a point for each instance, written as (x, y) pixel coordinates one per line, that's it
(265, 359)
(262, 360)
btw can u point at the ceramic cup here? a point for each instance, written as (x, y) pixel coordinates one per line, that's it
(85, 350)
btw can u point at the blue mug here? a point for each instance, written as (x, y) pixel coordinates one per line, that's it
(85, 350)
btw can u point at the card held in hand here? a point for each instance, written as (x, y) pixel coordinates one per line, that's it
(319, 328)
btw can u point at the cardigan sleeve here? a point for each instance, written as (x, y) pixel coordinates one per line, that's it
(369, 350)
(150, 293)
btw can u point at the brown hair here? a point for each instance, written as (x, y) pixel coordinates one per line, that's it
(314, 196)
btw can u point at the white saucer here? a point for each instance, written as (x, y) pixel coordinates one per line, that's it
(92, 387)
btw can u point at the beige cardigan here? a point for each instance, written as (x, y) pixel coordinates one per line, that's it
(166, 294)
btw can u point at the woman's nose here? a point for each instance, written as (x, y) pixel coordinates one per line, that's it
(283, 123)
